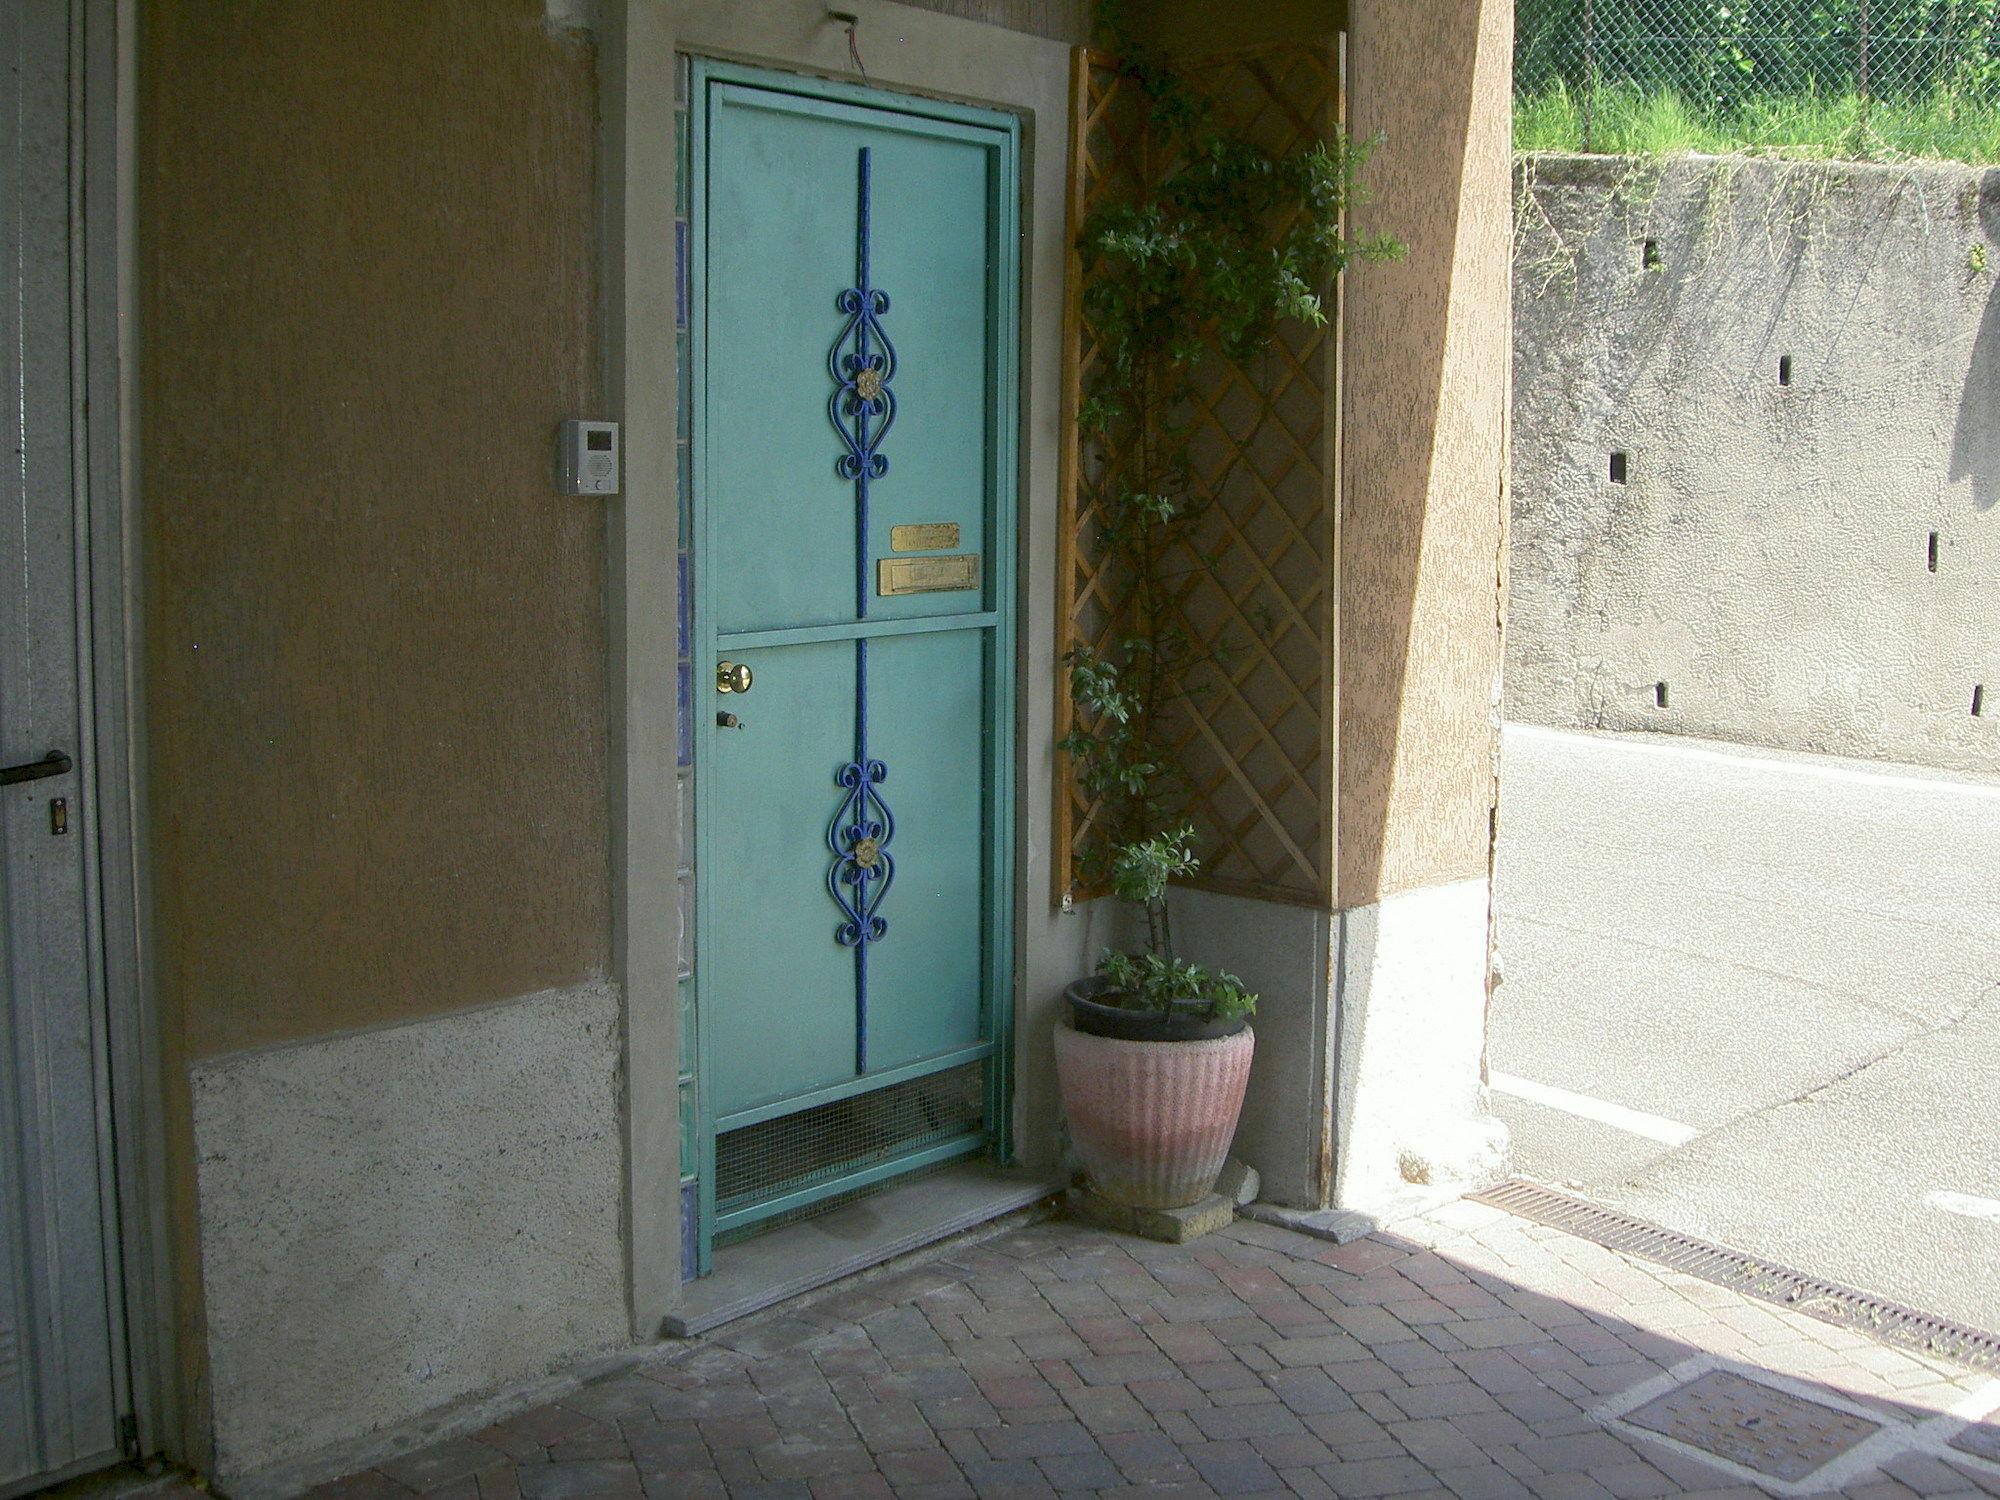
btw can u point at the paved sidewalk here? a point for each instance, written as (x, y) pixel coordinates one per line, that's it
(1467, 1354)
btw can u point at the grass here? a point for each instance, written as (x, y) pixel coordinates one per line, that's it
(1628, 121)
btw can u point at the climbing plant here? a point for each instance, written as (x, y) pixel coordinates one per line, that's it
(1206, 258)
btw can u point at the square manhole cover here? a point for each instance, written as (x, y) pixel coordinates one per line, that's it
(1761, 1428)
(1981, 1440)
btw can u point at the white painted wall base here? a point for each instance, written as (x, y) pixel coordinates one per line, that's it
(1412, 1039)
(1367, 1093)
(398, 1219)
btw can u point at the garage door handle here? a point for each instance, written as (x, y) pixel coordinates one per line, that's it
(52, 764)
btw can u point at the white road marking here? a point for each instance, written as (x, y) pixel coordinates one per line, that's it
(1759, 763)
(1981, 1404)
(1631, 1121)
(1965, 1206)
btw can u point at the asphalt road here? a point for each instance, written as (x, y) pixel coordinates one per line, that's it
(1766, 990)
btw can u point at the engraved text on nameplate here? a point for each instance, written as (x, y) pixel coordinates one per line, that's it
(932, 536)
(927, 575)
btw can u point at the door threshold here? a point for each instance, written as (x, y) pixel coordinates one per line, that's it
(116, 1480)
(807, 1255)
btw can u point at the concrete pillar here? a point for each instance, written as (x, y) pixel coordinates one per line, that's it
(1422, 578)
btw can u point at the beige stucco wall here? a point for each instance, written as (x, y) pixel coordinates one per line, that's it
(375, 657)
(1059, 20)
(373, 667)
(1425, 412)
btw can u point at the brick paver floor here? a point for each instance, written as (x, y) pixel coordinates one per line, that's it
(1466, 1354)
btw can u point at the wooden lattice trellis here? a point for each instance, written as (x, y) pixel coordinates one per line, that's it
(1255, 737)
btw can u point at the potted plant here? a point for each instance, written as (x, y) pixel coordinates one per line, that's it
(1203, 262)
(1155, 1060)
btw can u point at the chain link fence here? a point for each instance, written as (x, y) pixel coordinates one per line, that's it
(1734, 67)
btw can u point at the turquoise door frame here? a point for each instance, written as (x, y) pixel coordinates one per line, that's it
(843, 949)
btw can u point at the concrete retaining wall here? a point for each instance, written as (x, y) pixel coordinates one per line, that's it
(1800, 365)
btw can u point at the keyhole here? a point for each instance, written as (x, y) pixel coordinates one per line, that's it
(58, 815)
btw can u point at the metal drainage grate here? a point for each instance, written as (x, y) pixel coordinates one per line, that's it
(774, 1158)
(1746, 1422)
(1829, 1301)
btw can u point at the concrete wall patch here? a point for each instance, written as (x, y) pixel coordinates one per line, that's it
(395, 1219)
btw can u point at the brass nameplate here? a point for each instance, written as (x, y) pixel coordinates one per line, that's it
(933, 536)
(926, 575)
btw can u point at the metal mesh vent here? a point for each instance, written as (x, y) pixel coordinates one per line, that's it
(776, 1157)
(818, 1206)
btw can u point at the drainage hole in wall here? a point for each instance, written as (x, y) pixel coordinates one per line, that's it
(1784, 369)
(1617, 468)
(1660, 695)
(1649, 255)
(1978, 700)
(1931, 553)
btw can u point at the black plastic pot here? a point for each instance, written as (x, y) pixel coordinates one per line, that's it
(1095, 1011)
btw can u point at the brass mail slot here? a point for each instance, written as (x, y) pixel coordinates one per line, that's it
(932, 536)
(927, 575)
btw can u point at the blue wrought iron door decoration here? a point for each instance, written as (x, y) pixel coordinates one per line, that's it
(862, 408)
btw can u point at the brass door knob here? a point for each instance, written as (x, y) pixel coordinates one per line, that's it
(732, 677)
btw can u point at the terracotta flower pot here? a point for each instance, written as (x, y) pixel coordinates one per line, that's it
(1152, 1121)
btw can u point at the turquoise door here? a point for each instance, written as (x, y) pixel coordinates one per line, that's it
(854, 583)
